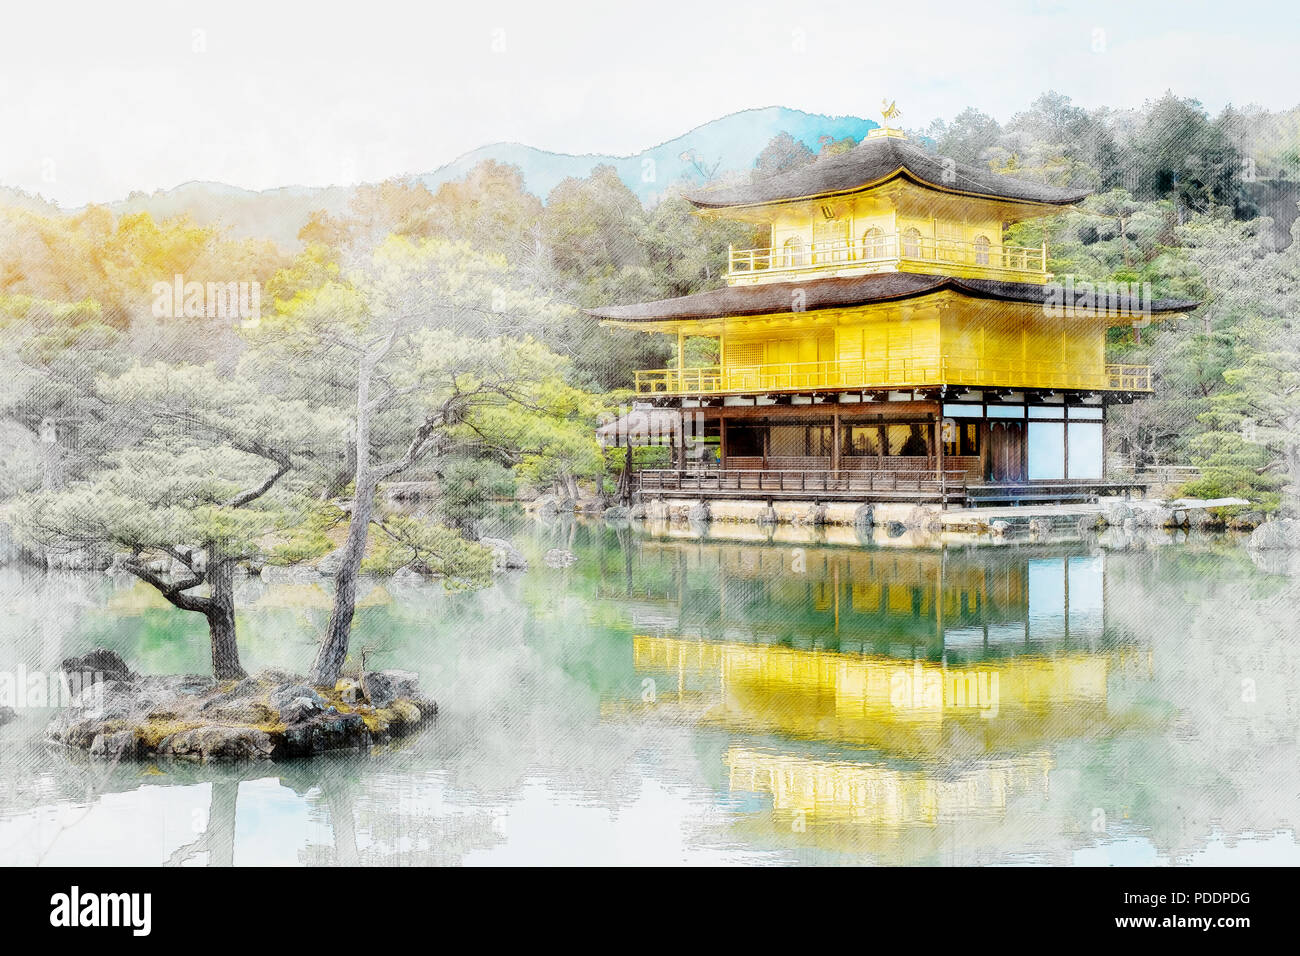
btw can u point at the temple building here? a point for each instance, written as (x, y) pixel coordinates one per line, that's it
(887, 343)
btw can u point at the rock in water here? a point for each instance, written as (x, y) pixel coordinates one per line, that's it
(407, 575)
(505, 557)
(1280, 535)
(1155, 517)
(219, 743)
(122, 745)
(101, 661)
(560, 558)
(291, 692)
(241, 712)
(405, 683)
(407, 712)
(379, 690)
(1247, 521)
(1117, 513)
(270, 714)
(864, 517)
(330, 730)
(298, 710)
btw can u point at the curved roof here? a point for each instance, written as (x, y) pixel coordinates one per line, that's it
(874, 161)
(774, 298)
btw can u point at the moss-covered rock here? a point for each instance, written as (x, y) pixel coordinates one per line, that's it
(271, 714)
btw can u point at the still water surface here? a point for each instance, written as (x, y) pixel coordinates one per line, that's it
(673, 700)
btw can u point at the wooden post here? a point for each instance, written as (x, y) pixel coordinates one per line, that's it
(938, 445)
(835, 442)
(938, 459)
(681, 361)
(681, 440)
(1065, 445)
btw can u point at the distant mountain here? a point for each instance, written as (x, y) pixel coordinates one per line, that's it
(18, 199)
(732, 142)
(275, 214)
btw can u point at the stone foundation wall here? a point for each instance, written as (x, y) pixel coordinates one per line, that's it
(790, 512)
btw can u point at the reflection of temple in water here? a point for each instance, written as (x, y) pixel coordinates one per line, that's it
(937, 605)
(881, 687)
(903, 708)
(880, 795)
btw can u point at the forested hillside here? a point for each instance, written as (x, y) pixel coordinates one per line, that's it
(1200, 206)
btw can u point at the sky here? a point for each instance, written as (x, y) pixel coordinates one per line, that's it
(98, 100)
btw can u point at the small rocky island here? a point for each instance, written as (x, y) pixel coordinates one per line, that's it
(123, 715)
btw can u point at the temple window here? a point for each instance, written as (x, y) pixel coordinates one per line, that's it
(910, 440)
(1046, 451)
(820, 441)
(793, 253)
(745, 440)
(861, 441)
(912, 243)
(873, 244)
(831, 240)
(981, 250)
(962, 439)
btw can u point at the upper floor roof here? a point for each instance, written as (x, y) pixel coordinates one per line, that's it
(875, 161)
(847, 292)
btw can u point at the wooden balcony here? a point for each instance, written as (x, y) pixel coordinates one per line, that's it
(818, 483)
(890, 373)
(892, 253)
(853, 485)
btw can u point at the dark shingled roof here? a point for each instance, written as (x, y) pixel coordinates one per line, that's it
(875, 160)
(778, 297)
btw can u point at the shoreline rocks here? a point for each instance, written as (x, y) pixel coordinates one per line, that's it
(505, 556)
(560, 558)
(1280, 535)
(269, 715)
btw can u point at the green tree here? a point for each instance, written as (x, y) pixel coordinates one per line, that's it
(782, 153)
(967, 137)
(201, 482)
(402, 343)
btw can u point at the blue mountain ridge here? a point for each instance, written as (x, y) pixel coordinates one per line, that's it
(731, 142)
(728, 144)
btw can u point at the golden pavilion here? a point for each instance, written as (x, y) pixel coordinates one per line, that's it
(887, 343)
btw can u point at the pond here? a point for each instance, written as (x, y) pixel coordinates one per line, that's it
(673, 699)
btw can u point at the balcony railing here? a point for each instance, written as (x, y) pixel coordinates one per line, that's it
(926, 484)
(923, 252)
(889, 373)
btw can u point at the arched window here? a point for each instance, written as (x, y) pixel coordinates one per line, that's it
(981, 250)
(912, 243)
(873, 244)
(793, 256)
(830, 241)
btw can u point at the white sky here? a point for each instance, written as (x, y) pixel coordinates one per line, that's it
(98, 99)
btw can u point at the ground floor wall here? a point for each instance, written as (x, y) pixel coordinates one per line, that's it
(999, 441)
